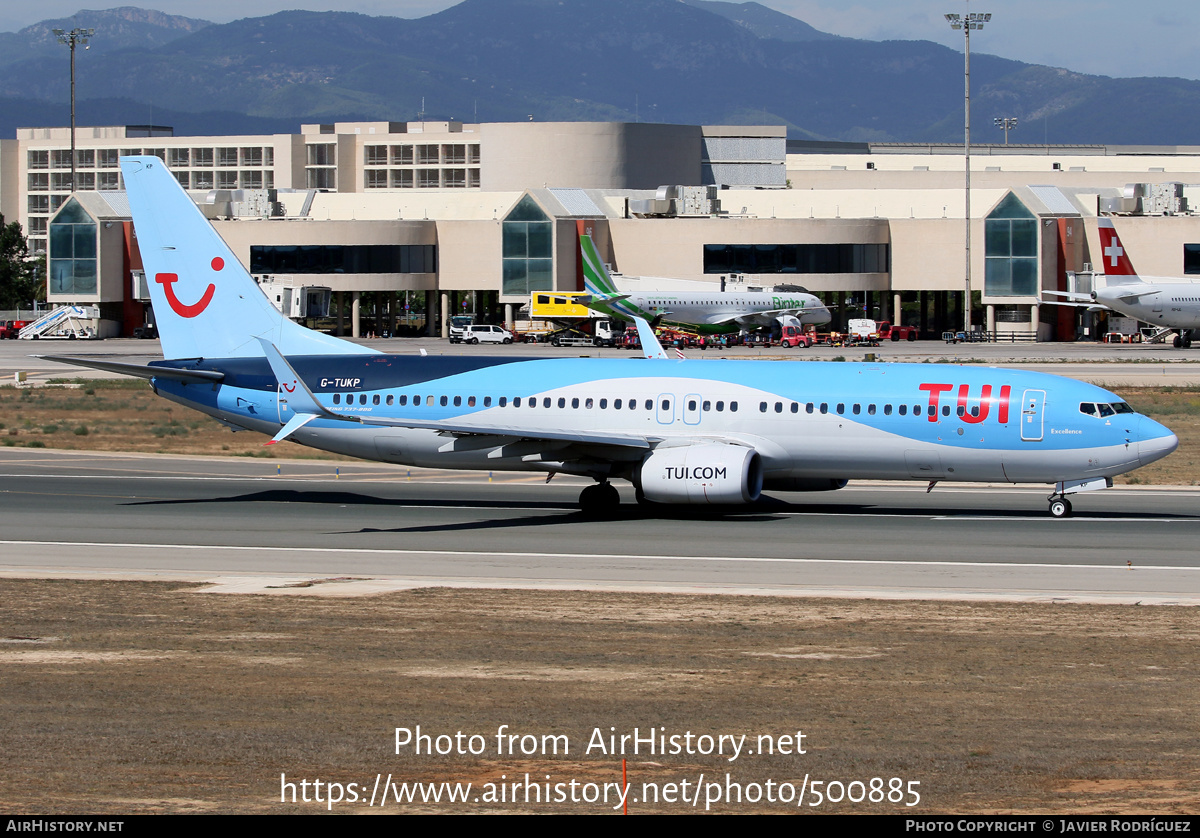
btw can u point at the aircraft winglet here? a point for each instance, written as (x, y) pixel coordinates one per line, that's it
(650, 345)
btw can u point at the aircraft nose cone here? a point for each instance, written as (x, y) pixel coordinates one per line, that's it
(1154, 441)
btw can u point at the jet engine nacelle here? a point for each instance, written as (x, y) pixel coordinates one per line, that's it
(713, 473)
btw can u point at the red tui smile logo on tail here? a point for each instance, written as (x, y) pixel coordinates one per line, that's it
(167, 281)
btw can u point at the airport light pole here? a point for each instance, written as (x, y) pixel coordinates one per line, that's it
(1007, 123)
(967, 22)
(75, 36)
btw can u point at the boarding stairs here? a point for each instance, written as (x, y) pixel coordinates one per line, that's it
(68, 322)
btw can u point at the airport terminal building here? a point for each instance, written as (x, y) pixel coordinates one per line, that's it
(442, 218)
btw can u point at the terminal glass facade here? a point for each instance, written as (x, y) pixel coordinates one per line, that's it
(795, 258)
(1191, 259)
(343, 259)
(72, 262)
(1010, 250)
(527, 249)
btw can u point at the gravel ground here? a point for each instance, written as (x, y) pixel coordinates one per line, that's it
(129, 697)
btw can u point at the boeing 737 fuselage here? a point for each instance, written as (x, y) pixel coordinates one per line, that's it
(681, 431)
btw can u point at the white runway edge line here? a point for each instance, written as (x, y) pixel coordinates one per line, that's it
(600, 556)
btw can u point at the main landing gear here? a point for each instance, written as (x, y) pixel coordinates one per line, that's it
(1183, 340)
(599, 499)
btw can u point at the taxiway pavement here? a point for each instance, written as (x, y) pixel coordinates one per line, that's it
(255, 525)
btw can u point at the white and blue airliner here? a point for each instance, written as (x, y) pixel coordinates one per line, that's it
(681, 431)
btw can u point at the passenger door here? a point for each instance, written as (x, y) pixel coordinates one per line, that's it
(1031, 415)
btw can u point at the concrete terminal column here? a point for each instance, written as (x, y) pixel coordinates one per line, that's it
(341, 316)
(896, 309)
(991, 318)
(445, 315)
(431, 314)
(508, 316)
(1035, 320)
(355, 308)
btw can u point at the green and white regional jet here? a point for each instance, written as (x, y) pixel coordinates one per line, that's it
(705, 312)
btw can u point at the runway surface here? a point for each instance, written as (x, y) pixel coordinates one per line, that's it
(253, 524)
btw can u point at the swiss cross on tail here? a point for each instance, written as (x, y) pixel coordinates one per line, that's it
(1116, 262)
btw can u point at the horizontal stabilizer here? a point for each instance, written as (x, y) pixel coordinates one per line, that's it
(137, 370)
(294, 424)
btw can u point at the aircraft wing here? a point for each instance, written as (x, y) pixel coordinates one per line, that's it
(1134, 296)
(760, 318)
(1074, 300)
(513, 433)
(138, 370)
(1072, 296)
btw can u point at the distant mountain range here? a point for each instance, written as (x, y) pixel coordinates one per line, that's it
(696, 62)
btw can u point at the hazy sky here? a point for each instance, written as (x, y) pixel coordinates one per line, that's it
(1109, 37)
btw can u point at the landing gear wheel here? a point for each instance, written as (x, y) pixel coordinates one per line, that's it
(1177, 343)
(1185, 338)
(599, 499)
(1060, 508)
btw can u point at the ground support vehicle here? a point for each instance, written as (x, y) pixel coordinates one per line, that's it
(485, 333)
(458, 326)
(896, 332)
(9, 329)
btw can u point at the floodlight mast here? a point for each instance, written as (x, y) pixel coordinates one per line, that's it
(972, 20)
(1007, 123)
(75, 36)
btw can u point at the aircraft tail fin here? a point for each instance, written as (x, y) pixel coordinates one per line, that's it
(206, 305)
(1118, 268)
(595, 276)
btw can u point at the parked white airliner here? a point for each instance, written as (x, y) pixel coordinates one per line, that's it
(1160, 301)
(686, 432)
(706, 312)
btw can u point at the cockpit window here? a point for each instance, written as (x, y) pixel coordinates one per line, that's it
(1104, 410)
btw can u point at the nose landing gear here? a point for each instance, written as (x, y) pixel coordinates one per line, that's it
(1060, 507)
